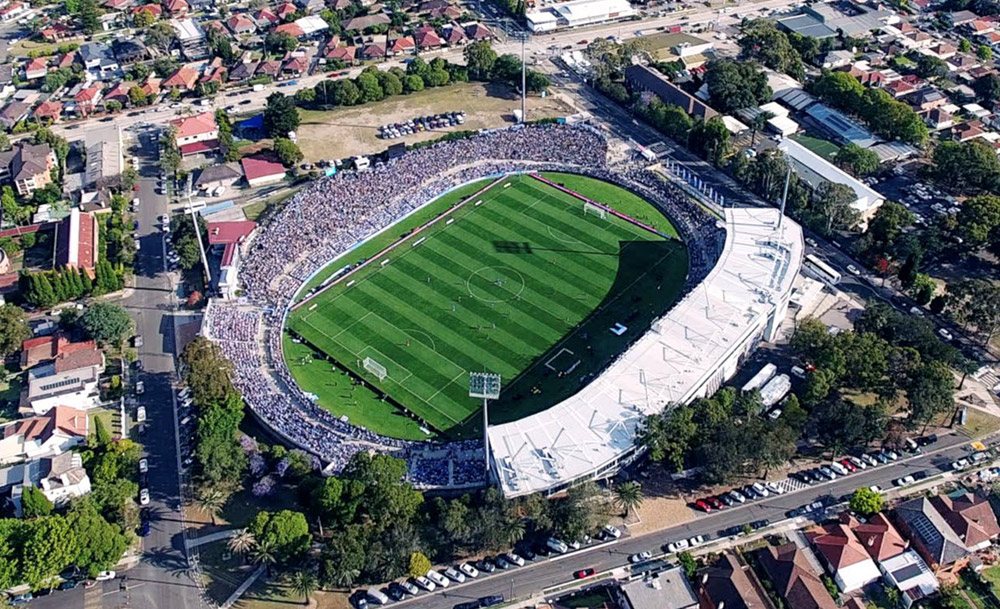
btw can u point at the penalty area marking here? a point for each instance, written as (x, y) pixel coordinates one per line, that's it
(382, 358)
(411, 331)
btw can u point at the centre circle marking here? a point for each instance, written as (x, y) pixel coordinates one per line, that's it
(504, 270)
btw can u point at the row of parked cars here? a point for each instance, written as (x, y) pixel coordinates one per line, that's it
(423, 123)
(459, 574)
(738, 496)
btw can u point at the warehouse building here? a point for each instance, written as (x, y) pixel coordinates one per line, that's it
(578, 13)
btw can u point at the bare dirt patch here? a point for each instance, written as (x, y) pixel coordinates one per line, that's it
(345, 132)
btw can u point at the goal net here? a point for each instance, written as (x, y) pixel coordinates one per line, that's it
(590, 208)
(375, 368)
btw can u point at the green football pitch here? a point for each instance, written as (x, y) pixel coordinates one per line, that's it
(523, 281)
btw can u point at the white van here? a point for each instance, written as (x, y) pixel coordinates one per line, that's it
(377, 596)
(557, 545)
(840, 469)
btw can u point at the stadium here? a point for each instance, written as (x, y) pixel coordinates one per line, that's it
(599, 292)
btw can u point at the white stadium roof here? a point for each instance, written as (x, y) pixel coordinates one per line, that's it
(686, 353)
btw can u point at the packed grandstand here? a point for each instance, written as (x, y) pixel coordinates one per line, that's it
(738, 286)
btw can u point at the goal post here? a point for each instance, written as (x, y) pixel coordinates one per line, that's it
(375, 368)
(590, 208)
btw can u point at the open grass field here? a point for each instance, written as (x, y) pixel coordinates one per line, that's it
(526, 284)
(824, 148)
(344, 132)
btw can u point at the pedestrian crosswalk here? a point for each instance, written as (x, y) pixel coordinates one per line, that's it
(790, 485)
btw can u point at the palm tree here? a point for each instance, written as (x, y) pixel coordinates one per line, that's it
(263, 554)
(242, 542)
(211, 501)
(304, 583)
(628, 496)
(343, 577)
(513, 530)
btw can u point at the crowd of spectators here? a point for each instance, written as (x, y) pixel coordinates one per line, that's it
(332, 216)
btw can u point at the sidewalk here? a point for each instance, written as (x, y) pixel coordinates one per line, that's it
(200, 541)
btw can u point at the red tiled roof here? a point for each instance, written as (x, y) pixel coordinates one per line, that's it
(970, 516)
(838, 545)
(259, 167)
(292, 29)
(880, 538)
(80, 356)
(87, 255)
(229, 232)
(38, 63)
(155, 9)
(183, 77)
(199, 124)
(285, 10)
(199, 147)
(402, 44)
(296, 64)
(240, 22)
(88, 94)
(427, 38)
(49, 109)
(265, 15)
(175, 6)
(342, 53)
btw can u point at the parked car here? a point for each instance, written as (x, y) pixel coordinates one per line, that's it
(409, 587)
(104, 576)
(612, 532)
(502, 563)
(425, 583)
(702, 505)
(904, 481)
(557, 545)
(144, 496)
(454, 575)
(697, 540)
(486, 566)
(514, 559)
(468, 569)
(143, 466)
(640, 557)
(584, 573)
(677, 546)
(438, 579)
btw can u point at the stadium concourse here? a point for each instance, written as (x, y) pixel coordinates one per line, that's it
(330, 218)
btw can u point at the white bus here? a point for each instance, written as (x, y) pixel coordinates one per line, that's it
(821, 270)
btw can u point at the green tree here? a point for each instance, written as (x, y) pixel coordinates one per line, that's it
(280, 43)
(688, 563)
(734, 85)
(413, 83)
(90, 17)
(629, 496)
(287, 532)
(14, 329)
(107, 323)
(242, 542)
(856, 160)
(34, 503)
(866, 502)
(987, 88)
(971, 166)
(669, 436)
(710, 140)
(978, 219)
(390, 83)
(212, 500)
(369, 88)
(761, 40)
(984, 53)
(930, 66)
(419, 565)
(480, 59)
(49, 545)
(288, 151)
(280, 116)
(101, 544)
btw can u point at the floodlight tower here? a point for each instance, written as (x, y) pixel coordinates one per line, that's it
(485, 385)
(197, 231)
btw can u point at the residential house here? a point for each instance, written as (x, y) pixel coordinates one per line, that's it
(197, 134)
(843, 554)
(60, 478)
(376, 50)
(729, 583)
(87, 99)
(932, 537)
(402, 45)
(265, 18)
(980, 27)
(292, 29)
(177, 8)
(478, 31)
(938, 119)
(49, 111)
(152, 86)
(155, 10)
(899, 88)
(927, 99)
(794, 579)
(295, 67)
(454, 35)
(962, 132)
(243, 71)
(215, 176)
(960, 18)
(285, 11)
(262, 169)
(13, 10)
(191, 37)
(68, 60)
(27, 166)
(36, 68)
(427, 38)
(668, 589)
(271, 67)
(184, 79)
(43, 349)
(98, 57)
(900, 566)
(13, 113)
(311, 6)
(962, 62)
(345, 54)
(362, 23)
(129, 51)
(57, 431)
(56, 32)
(971, 517)
(120, 93)
(241, 24)
(74, 388)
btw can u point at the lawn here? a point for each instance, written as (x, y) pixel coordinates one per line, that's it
(992, 576)
(524, 282)
(823, 148)
(344, 132)
(222, 571)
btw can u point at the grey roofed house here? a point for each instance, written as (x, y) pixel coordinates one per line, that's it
(97, 55)
(668, 589)
(49, 473)
(366, 21)
(25, 160)
(129, 51)
(104, 156)
(243, 71)
(311, 6)
(643, 78)
(217, 175)
(14, 112)
(930, 532)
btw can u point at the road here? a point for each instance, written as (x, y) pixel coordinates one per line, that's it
(162, 579)
(546, 573)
